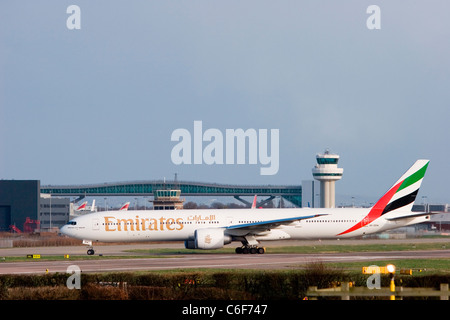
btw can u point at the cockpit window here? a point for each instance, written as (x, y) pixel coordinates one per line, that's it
(72, 223)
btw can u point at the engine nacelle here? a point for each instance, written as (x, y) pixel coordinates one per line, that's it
(210, 238)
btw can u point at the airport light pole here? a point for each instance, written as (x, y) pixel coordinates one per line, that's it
(50, 211)
(391, 269)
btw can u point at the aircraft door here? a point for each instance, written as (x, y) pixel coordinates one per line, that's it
(95, 224)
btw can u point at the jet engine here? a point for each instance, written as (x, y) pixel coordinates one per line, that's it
(210, 238)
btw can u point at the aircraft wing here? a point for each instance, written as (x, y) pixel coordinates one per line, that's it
(269, 224)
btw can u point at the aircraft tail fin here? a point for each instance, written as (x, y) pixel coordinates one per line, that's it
(125, 206)
(400, 196)
(403, 193)
(82, 206)
(254, 202)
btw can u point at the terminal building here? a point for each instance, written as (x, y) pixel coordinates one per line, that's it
(54, 212)
(25, 202)
(167, 200)
(19, 200)
(310, 194)
(23, 208)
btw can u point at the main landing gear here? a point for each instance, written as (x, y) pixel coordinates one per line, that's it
(250, 249)
(250, 245)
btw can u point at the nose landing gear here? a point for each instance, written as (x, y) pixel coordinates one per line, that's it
(90, 248)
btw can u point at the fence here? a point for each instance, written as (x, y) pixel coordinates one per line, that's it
(345, 291)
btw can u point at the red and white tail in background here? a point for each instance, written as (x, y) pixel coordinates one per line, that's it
(85, 207)
(254, 203)
(125, 206)
(82, 206)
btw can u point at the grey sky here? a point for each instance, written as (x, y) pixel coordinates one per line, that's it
(99, 104)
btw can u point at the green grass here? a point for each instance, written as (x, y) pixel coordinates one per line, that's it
(418, 266)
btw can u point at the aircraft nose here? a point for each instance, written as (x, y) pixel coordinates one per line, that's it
(66, 231)
(63, 230)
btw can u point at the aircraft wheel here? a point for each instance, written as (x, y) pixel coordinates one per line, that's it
(250, 250)
(90, 252)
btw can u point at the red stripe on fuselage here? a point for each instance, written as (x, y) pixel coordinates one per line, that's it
(376, 210)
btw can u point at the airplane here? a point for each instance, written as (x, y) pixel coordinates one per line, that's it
(213, 229)
(84, 208)
(254, 202)
(93, 206)
(125, 206)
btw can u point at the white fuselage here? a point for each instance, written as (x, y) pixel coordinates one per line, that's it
(176, 225)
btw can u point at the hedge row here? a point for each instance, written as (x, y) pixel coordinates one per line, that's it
(239, 285)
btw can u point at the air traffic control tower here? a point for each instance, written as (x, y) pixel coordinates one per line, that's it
(327, 172)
